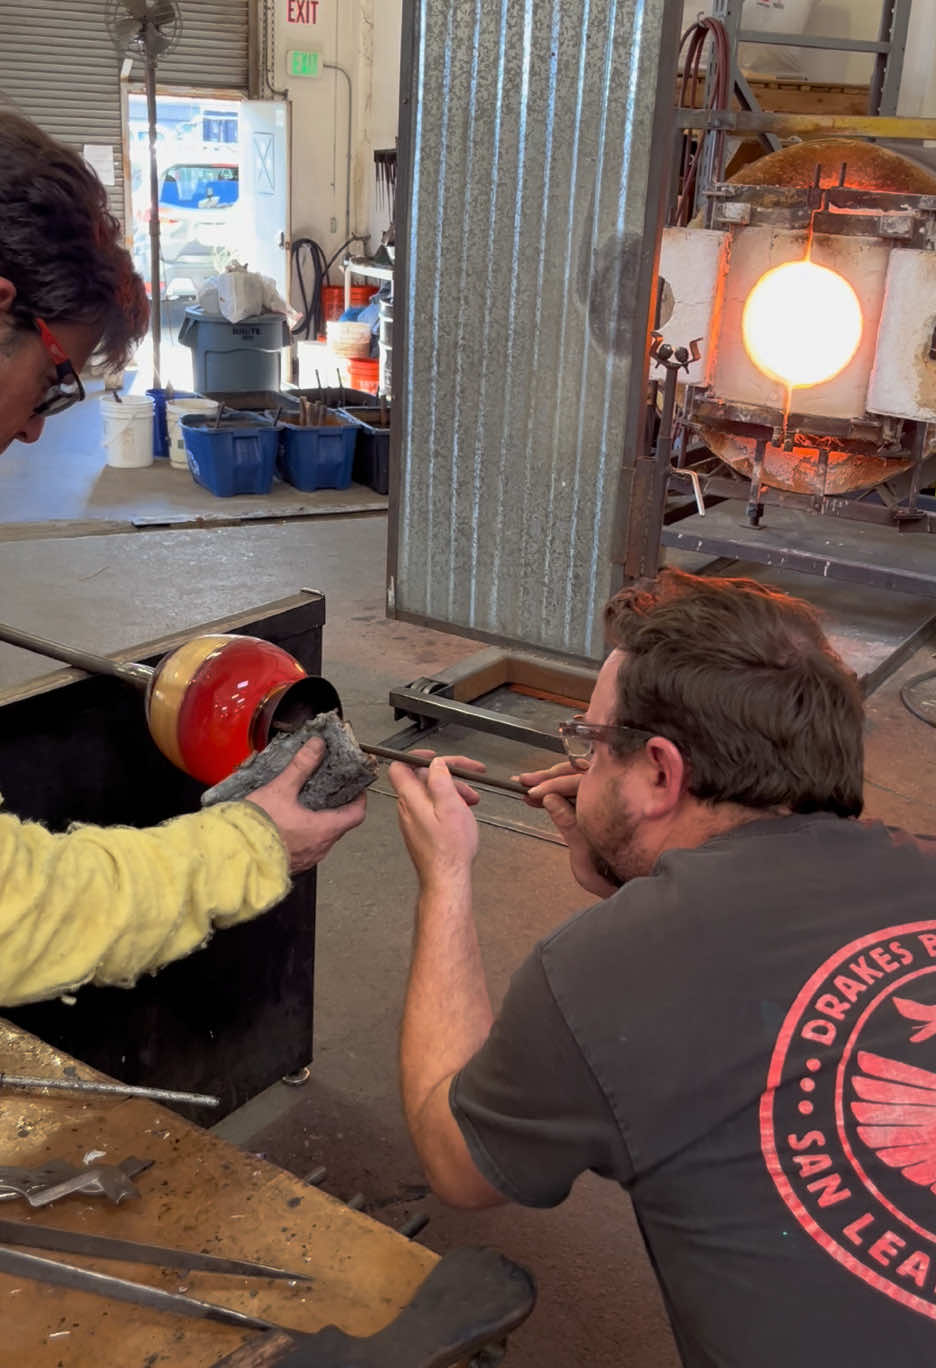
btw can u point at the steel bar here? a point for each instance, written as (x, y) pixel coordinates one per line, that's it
(755, 509)
(502, 823)
(748, 100)
(812, 40)
(836, 551)
(835, 506)
(888, 67)
(420, 762)
(58, 1274)
(110, 1089)
(412, 703)
(130, 1251)
(154, 226)
(128, 671)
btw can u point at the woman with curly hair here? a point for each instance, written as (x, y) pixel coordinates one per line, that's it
(105, 905)
(68, 290)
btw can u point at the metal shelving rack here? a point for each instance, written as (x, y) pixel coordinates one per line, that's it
(888, 49)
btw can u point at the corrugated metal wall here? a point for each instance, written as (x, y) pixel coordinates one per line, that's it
(212, 54)
(58, 66)
(531, 150)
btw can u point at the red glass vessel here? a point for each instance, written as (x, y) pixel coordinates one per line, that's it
(206, 698)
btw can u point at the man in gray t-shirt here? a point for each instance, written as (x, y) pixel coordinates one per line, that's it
(742, 1032)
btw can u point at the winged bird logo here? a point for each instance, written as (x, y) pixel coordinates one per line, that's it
(918, 1011)
(897, 1115)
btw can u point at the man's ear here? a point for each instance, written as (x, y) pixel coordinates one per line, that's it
(668, 775)
(7, 295)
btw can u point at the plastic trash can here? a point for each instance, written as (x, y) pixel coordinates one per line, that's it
(234, 356)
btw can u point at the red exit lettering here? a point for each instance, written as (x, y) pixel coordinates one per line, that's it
(302, 12)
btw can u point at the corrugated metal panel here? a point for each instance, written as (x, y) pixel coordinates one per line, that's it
(531, 149)
(212, 53)
(58, 67)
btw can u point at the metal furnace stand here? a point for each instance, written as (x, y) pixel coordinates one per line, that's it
(876, 587)
(517, 698)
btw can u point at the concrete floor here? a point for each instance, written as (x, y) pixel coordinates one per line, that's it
(63, 486)
(598, 1301)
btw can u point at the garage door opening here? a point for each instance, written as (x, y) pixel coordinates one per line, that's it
(222, 176)
(198, 156)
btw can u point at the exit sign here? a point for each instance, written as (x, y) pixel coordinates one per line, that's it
(303, 63)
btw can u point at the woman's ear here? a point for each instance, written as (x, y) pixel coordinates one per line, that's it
(7, 295)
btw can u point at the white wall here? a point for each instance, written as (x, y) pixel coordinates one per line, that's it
(918, 84)
(386, 87)
(363, 36)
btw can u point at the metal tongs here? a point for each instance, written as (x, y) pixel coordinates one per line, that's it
(471, 1299)
(61, 1274)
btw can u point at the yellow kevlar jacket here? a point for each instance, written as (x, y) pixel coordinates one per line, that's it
(106, 904)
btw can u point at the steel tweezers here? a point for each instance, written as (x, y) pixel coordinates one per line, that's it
(60, 1274)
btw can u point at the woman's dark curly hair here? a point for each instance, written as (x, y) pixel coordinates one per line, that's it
(60, 246)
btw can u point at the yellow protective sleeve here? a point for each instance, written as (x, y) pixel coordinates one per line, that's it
(106, 904)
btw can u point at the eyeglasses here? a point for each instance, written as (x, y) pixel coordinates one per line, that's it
(67, 388)
(579, 737)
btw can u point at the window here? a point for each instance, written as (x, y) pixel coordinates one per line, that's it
(218, 127)
(189, 185)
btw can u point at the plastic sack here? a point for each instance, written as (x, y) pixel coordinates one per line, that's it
(207, 296)
(240, 294)
(273, 301)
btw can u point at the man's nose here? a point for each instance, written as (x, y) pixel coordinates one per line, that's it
(31, 430)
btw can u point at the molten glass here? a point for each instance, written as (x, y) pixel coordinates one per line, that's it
(205, 699)
(801, 324)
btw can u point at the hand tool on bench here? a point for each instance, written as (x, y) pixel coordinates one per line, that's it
(471, 1298)
(130, 1251)
(57, 1178)
(91, 1085)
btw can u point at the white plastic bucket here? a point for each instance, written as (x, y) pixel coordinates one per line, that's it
(128, 430)
(176, 409)
(349, 339)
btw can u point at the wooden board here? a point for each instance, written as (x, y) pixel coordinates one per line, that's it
(201, 1194)
(792, 95)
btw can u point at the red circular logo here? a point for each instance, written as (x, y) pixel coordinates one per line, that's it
(848, 1117)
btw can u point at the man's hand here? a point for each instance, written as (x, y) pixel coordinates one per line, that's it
(562, 778)
(555, 790)
(433, 810)
(307, 836)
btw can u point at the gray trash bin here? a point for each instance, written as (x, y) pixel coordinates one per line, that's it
(229, 357)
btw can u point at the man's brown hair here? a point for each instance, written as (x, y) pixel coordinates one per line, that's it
(60, 246)
(742, 679)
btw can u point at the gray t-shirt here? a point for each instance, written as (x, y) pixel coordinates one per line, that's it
(746, 1040)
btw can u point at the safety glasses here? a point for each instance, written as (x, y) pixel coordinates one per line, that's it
(579, 737)
(66, 389)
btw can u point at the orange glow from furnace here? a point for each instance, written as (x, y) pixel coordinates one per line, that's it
(801, 324)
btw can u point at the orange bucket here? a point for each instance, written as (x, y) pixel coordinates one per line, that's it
(364, 374)
(333, 304)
